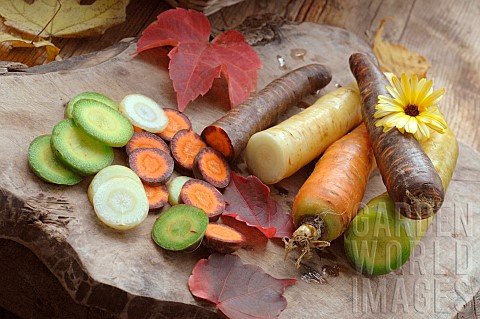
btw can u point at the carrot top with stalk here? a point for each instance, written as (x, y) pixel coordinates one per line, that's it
(406, 170)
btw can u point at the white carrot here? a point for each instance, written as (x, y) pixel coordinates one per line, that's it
(281, 150)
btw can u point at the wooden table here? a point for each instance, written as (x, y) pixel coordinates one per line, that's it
(445, 32)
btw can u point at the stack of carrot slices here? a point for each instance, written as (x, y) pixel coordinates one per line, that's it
(177, 167)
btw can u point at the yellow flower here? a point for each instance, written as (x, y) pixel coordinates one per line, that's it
(412, 107)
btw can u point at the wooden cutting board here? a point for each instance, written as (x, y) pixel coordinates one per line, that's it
(125, 274)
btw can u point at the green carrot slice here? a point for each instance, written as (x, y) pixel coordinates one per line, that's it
(180, 228)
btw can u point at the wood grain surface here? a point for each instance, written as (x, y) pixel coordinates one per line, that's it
(443, 31)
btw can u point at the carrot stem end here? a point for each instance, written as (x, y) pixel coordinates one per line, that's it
(306, 238)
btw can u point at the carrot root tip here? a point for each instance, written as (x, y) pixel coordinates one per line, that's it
(306, 238)
(422, 206)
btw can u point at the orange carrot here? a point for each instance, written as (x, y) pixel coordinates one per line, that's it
(137, 129)
(211, 166)
(157, 195)
(229, 135)
(184, 146)
(201, 194)
(406, 170)
(222, 238)
(329, 199)
(145, 140)
(153, 166)
(176, 121)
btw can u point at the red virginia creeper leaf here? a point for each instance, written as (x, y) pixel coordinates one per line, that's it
(173, 27)
(189, 63)
(240, 291)
(248, 200)
(254, 238)
(195, 62)
(238, 65)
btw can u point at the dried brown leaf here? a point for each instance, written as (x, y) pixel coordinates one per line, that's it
(71, 20)
(396, 58)
(19, 42)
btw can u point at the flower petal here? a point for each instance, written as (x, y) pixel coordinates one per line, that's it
(394, 93)
(392, 119)
(424, 87)
(432, 99)
(414, 88)
(384, 100)
(402, 121)
(398, 90)
(423, 129)
(407, 92)
(411, 126)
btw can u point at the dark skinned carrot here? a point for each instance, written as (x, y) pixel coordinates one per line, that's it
(211, 166)
(222, 238)
(377, 252)
(201, 194)
(145, 140)
(153, 166)
(184, 146)
(406, 170)
(176, 121)
(330, 197)
(157, 195)
(229, 135)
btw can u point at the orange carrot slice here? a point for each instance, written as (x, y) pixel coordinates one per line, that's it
(222, 238)
(201, 194)
(137, 129)
(157, 196)
(153, 166)
(176, 121)
(146, 140)
(211, 166)
(184, 146)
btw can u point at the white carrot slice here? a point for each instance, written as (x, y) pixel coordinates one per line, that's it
(143, 112)
(175, 187)
(121, 203)
(107, 173)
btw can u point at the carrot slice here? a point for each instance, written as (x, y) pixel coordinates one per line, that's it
(153, 166)
(174, 187)
(145, 140)
(201, 194)
(137, 129)
(157, 196)
(222, 238)
(184, 146)
(180, 228)
(211, 166)
(176, 121)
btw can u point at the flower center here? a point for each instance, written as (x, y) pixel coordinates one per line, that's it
(412, 110)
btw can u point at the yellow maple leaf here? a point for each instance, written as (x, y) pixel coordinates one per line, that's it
(18, 42)
(396, 58)
(71, 20)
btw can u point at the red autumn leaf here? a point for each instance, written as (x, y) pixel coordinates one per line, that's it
(248, 200)
(239, 290)
(254, 238)
(195, 62)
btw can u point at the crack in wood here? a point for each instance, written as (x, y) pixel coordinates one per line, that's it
(406, 21)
